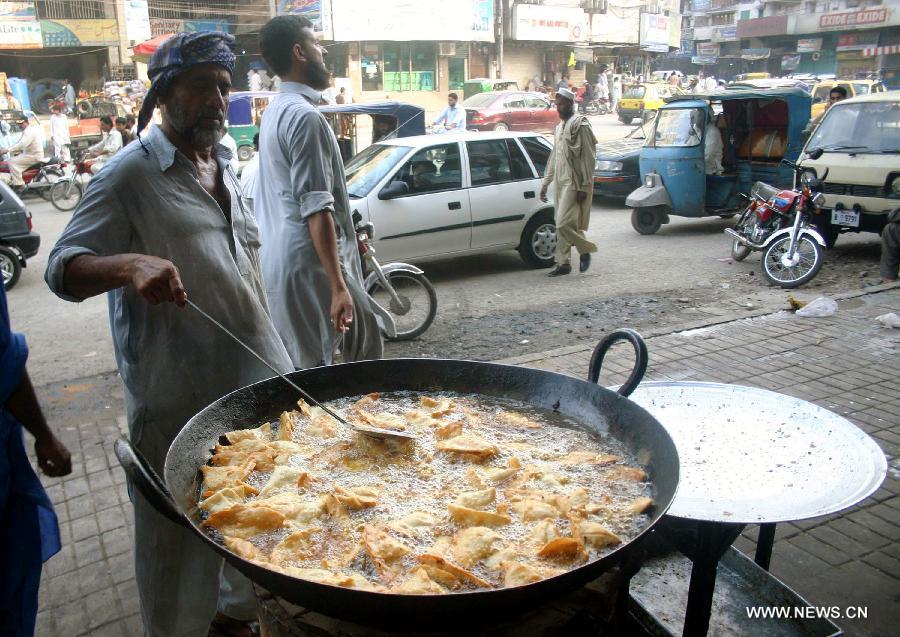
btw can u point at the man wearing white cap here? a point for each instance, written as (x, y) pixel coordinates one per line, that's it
(571, 171)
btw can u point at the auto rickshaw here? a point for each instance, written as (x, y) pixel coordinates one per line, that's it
(388, 119)
(758, 129)
(245, 108)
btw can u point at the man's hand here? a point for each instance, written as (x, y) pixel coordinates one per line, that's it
(341, 310)
(544, 194)
(580, 196)
(52, 456)
(157, 280)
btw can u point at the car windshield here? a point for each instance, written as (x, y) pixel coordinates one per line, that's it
(635, 93)
(366, 169)
(864, 127)
(641, 131)
(482, 99)
(678, 127)
(860, 88)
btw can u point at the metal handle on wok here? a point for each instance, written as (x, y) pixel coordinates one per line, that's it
(641, 358)
(147, 481)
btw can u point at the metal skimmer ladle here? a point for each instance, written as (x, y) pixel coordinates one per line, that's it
(374, 432)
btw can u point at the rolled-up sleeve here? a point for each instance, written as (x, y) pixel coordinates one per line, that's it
(312, 155)
(99, 227)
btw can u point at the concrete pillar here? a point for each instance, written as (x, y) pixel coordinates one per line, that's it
(123, 55)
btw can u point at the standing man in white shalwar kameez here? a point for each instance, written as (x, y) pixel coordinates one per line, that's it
(570, 170)
(309, 256)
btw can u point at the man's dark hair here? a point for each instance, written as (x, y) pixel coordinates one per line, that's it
(256, 141)
(840, 90)
(106, 119)
(56, 108)
(129, 119)
(122, 121)
(277, 40)
(454, 96)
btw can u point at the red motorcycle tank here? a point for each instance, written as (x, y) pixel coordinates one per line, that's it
(783, 200)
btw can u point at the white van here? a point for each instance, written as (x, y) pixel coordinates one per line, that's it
(858, 144)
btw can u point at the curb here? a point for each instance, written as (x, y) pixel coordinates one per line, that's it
(525, 359)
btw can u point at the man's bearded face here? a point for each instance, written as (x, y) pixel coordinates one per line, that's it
(195, 108)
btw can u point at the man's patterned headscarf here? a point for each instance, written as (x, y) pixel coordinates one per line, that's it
(178, 54)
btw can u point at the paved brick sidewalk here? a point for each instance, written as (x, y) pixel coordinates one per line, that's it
(845, 363)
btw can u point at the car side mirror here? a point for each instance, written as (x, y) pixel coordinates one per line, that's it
(815, 153)
(393, 190)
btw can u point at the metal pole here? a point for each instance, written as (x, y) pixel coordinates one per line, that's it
(501, 9)
(764, 544)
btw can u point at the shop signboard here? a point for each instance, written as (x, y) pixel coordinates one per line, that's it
(584, 54)
(549, 24)
(137, 20)
(616, 30)
(724, 34)
(79, 32)
(809, 45)
(654, 32)
(16, 11)
(164, 26)
(700, 6)
(309, 9)
(874, 16)
(790, 62)
(708, 49)
(204, 26)
(20, 34)
(761, 27)
(755, 54)
(703, 60)
(857, 41)
(408, 20)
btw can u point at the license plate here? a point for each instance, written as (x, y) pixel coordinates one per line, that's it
(848, 218)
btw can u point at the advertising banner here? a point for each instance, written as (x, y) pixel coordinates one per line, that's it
(550, 24)
(309, 9)
(19, 34)
(202, 26)
(708, 49)
(137, 20)
(79, 32)
(809, 45)
(755, 54)
(854, 18)
(654, 32)
(163, 26)
(703, 60)
(724, 34)
(405, 20)
(761, 27)
(790, 62)
(857, 41)
(16, 11)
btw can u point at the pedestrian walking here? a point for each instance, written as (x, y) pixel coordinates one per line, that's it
(615, 93)
(68, 95)
(570, 170)
(890, 248)
(28, 526)
(59, 134)
(310, 259)
(163, 221)
(31, 151)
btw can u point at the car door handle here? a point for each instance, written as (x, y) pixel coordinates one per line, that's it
(454, 205)
(529, 194)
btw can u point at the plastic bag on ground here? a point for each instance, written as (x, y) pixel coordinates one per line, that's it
(889, 320)
(820, 308)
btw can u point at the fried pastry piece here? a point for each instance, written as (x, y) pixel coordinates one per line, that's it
(588, 457)
(543, 532)
(291, 505)
(533, 509)
(296, 547)
(639, 506)
(384, 551)
(243, 548)
(554, 480)
(263, 432)
(461, 576)
(626, 474)
(415, 522)
(244, 522)
(265, 458)
(518, 574)
(474, 480)
(499, 475)
(564, 549)
(331, 455)
(357, 497)
(519, 420)
(388, 421)
(368, 400)
(472, 517)
(286, 424)
(321, 425)
(217, 478)
(227, 498)
(418, 583)
(247, 445)
(324, 576)
(283, 478)
(476, 499)
(578, 498)
(597, 535)
(506, 554)
(419, 419)
(449, 430)
(437, 407)
(469, 445)
(474, 544)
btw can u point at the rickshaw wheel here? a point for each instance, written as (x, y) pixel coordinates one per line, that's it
(245, 153)
(646, 220)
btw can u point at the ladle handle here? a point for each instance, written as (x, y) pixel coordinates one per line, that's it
(147, 481)
(641, 358)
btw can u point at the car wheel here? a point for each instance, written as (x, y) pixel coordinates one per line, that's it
(245, 153)
(501, 127)
(10, 268)
(646, 220)
(625, 120)
(538, 243)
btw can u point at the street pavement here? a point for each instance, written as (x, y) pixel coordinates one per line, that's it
(846, 363)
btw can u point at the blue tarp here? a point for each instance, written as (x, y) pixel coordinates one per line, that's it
(410, 118)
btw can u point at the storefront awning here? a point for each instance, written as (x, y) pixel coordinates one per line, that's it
(872, 51)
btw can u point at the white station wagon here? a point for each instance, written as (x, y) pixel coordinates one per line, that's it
(436, 196)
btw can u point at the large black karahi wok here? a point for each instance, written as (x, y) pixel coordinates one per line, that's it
(599, 409)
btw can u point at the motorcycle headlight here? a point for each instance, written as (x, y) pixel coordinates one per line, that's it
(895, 186)
(649, 180)
(806, 176)
(608, 166)
(818, 200)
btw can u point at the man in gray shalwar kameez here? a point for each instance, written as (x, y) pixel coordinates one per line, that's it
(163, 220)
(310, 261)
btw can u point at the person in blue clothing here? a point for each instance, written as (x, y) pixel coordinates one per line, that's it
(29, 533)
(453, 118)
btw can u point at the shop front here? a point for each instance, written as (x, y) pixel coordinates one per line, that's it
(559, 37)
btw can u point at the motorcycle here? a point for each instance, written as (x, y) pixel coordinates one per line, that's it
(39, 178)
(66, 193)
(401, 288)
(781, 224)
(598, 107)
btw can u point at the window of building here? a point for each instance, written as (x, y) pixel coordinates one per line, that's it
(337, 60)
(432, 169)
(70, 9)
(407, 66)
(495, 162)
(371, 67)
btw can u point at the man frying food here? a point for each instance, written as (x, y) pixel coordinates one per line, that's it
(163, 221)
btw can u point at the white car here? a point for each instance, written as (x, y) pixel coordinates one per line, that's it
(435, 196)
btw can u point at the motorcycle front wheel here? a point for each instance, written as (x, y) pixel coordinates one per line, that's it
(65, 194)
(739, 251)
(806, 263)
(417, 305)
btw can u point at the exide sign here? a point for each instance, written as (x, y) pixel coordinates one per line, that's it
(857, 18)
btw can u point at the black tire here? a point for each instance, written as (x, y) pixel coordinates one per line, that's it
(739, 251)
(65, 194)
(811, 258)
(625, 120)
(10, 267)
(402, 282)
(84, 109)
(538, 242)
(245, 153)
(646, 220)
